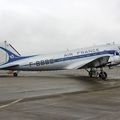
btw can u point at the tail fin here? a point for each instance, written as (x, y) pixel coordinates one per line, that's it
(7, 53)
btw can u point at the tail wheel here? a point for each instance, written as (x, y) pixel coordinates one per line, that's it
(103, 75)
(15, 74)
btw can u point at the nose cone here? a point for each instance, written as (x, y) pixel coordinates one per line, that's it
(117, 59)
(114, 60)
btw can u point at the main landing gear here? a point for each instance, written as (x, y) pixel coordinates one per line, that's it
(103, 75)
(95, 73)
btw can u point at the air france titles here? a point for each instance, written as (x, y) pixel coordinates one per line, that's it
(87, 51)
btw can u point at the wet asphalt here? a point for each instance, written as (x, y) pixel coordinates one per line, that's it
(60, 95)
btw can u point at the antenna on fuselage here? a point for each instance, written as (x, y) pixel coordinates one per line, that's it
(113, 43)
(15, 50)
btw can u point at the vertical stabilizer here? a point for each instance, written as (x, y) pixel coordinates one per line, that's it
(7, 53)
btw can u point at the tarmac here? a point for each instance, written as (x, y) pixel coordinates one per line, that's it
(60, 95)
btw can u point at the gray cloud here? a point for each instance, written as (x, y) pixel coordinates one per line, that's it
(37, 26)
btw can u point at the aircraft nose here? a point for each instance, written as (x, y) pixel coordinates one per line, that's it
(118, 59)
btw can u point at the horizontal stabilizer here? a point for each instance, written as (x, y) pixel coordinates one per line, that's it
(9, 67)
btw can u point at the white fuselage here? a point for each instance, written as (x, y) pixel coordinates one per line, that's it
(70, 59)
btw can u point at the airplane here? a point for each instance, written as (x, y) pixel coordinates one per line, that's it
(91, 59)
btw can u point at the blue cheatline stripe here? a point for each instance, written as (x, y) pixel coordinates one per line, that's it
(84, 56)
(77, 57)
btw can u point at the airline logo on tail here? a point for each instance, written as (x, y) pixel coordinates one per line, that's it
(7, 55)
(10, 54)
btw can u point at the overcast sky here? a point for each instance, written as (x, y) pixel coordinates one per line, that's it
(41, 26)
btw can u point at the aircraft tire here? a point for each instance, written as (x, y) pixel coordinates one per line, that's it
(103, 75)
(15, 74)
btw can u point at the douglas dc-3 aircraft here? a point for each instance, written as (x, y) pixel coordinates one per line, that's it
(90, 59)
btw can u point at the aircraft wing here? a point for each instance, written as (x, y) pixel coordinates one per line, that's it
(99, 62)
(90, 63)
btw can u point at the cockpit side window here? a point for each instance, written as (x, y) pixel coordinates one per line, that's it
(117, 53)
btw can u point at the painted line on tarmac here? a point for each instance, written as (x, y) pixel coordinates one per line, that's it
(12, 103)
(54, 95)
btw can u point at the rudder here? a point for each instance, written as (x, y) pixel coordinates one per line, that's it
(7, 53)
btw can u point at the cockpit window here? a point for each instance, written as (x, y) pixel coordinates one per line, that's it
(117, 53)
